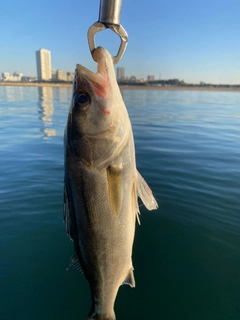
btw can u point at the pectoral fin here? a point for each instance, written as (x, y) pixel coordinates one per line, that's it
(145, 193)
(115, 193)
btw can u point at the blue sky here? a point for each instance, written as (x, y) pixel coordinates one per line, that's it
(192, 40)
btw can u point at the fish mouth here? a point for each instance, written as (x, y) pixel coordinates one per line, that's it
(99, 81)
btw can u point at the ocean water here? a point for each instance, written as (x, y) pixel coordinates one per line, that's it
(186, 254)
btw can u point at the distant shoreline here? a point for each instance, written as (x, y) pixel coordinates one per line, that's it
(123, 87)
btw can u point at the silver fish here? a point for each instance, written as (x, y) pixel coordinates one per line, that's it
(101, 184)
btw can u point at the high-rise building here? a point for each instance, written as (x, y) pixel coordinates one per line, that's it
(151, 78)
(43, 58)
(120, 73)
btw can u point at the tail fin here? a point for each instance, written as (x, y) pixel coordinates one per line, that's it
(97, 316)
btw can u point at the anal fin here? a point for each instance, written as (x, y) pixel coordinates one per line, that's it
(74, 264)
(130, 279)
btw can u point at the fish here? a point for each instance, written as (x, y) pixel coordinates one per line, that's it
(101, 184)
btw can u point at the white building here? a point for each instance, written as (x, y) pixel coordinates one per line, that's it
(70, 76)
(120, 73)
(17, 76)
(61, 75)
(44, 70)
(54, 74)
(6, 76)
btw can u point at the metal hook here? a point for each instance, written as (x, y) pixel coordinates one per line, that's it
(118, 29)
(109, 17)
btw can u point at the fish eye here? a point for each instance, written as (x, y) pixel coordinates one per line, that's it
(80, 99)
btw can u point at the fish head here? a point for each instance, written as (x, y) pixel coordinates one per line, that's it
(97, 104)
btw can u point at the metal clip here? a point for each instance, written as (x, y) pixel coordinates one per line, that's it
(109, 17)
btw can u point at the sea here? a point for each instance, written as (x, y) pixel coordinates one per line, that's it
(186, 254)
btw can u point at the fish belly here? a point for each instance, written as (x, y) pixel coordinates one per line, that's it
(105, 227)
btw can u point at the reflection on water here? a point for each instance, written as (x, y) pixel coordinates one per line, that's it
(46, 110)
(12, 94)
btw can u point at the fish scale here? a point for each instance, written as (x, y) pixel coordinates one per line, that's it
(101, 184)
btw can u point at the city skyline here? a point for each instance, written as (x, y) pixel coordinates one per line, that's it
(66, 76)
(192, 41)
(45, 71)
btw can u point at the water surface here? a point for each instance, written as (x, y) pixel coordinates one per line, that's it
(186, 254)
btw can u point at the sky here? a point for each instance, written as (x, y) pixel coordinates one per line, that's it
(191, 40)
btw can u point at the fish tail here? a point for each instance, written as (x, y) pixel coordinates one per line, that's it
(98, 316)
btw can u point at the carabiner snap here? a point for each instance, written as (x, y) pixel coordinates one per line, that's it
(118, 29)
(109, 17)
